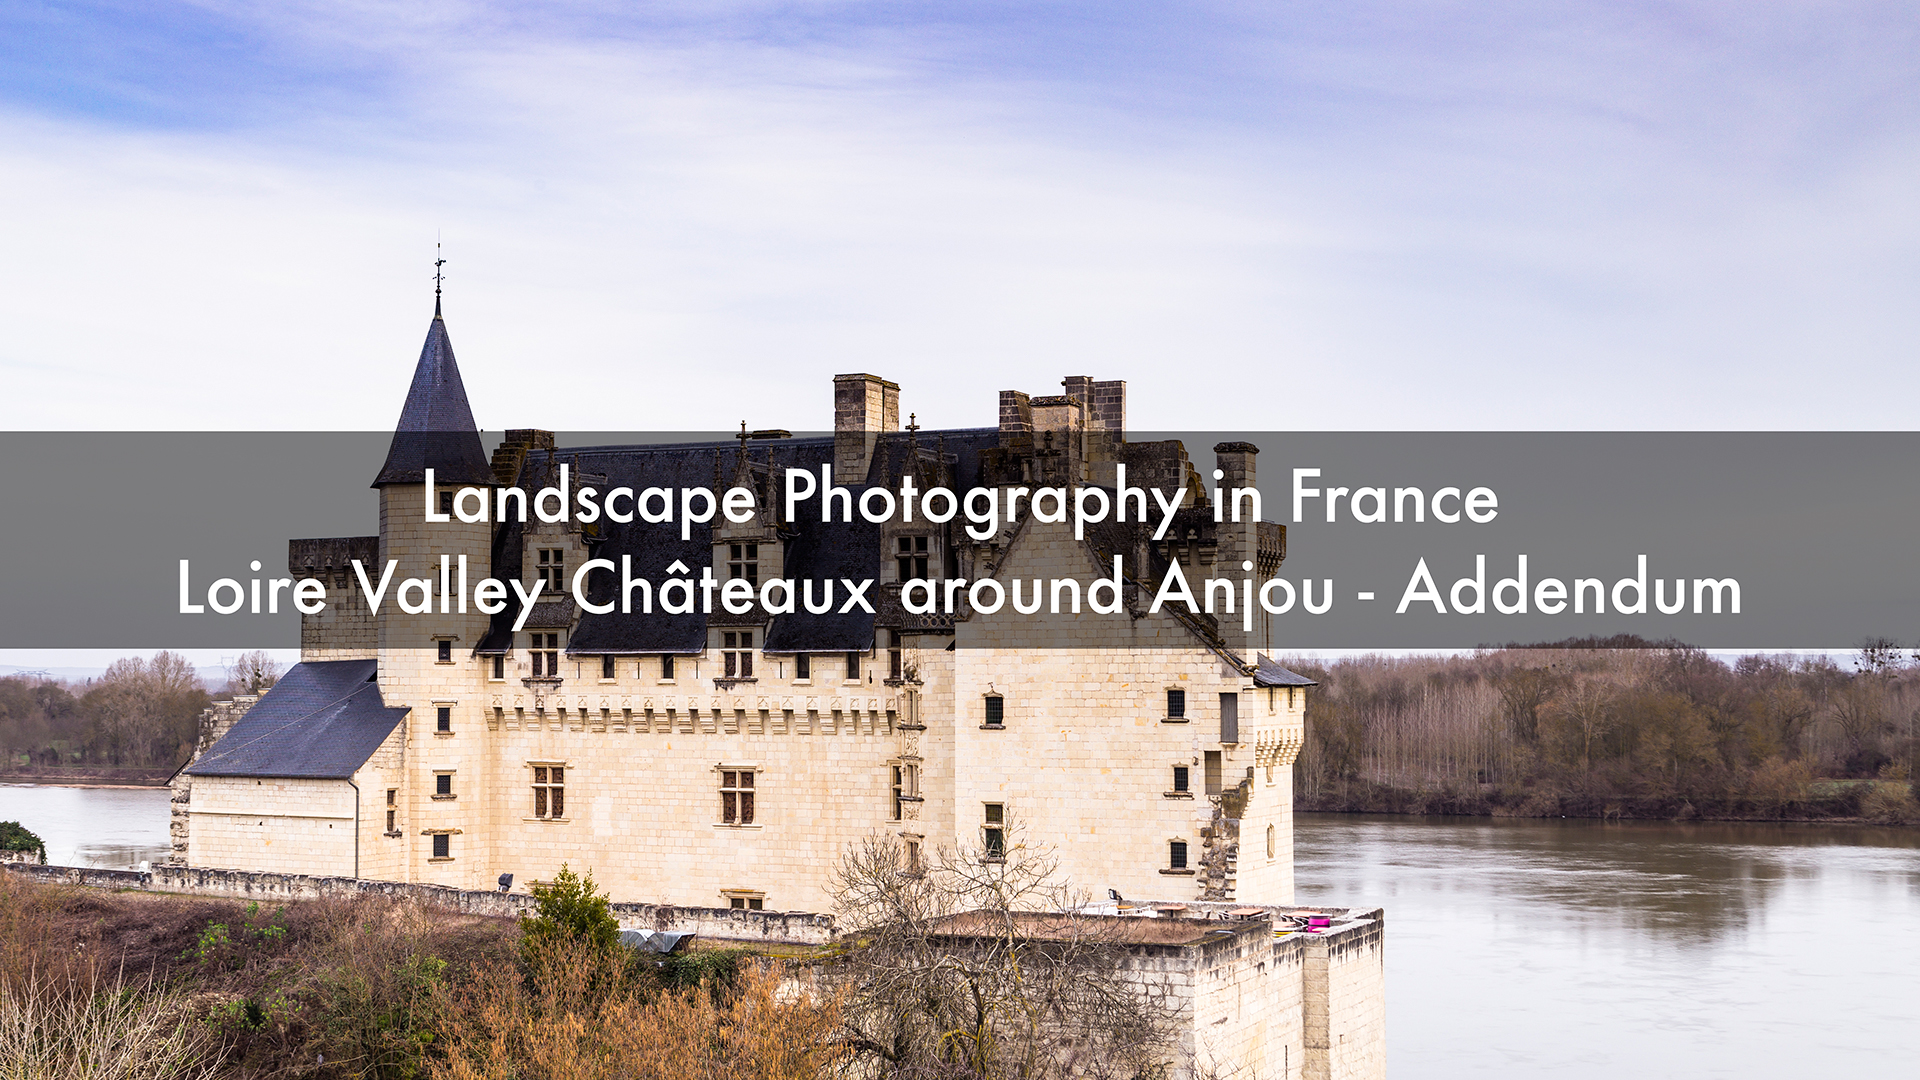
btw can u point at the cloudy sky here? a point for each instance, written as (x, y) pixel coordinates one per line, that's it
(1364, 215)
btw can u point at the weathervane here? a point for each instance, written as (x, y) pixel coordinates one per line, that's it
(438, 262)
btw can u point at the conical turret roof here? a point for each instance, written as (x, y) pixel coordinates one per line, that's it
(436, 429)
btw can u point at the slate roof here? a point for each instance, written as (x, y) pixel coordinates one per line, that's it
(321, 721)
(436, 428)
(819, 551)
(1269, 673)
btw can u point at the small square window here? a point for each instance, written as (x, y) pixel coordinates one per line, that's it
(607, 670)
(1177, 855)
(443, 718)
(747, 903)
(1180, 781)
(446, 502)
(500, 667)
(996, 710)
(1176, 704)
(446, 652)
(443, 783)
(666, 667)
(853, 666)
(803, 666)
(442, 846)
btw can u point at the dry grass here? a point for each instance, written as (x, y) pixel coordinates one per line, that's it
(584, 1016)
(77, 1028)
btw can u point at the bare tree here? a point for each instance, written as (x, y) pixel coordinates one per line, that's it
(252, 672)
(970, 965)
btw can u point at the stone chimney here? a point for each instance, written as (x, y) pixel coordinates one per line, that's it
(1239, 541)
(864, 406)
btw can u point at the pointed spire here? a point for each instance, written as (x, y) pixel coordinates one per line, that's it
(436, 428)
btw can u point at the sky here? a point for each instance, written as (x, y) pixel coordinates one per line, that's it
(1365, 216)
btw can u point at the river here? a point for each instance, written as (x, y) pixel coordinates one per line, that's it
(1639, 949)
(1522, 947)
(110, 828)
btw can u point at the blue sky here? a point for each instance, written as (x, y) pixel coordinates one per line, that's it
(1413, 215)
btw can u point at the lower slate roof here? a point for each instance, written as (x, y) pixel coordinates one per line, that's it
(321, 721)
(1269, 673)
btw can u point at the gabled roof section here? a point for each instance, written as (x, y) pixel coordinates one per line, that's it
(321, 721)
(1269, 674)
(436, 429)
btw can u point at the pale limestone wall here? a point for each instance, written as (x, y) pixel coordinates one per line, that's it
(643, 808)
(1273, 725)
(1248, 994)
(1086, 760)
(382, 856)
(1357, 1004)
(279, 826)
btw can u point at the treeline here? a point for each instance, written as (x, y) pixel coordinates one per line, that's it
(1646, 730)
(141, 713)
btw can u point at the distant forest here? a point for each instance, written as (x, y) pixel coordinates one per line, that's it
(1592, 729)
(141, 713)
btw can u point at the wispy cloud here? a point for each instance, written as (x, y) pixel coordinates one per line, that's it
(1404, 215)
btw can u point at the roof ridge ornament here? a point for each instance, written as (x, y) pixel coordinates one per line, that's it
(439, 261)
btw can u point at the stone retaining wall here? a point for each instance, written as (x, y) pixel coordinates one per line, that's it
(727, 925)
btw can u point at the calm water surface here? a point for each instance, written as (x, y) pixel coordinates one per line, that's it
(1523, 948)
(1589, 949)
(112, 828)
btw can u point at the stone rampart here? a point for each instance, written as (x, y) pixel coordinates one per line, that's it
(729, 925)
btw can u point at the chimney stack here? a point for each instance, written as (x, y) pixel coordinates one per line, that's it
(864, 406)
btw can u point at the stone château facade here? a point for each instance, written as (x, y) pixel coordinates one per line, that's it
(725, 760)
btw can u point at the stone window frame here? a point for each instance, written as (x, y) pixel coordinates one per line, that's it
(549, 642)
(744, 899)
(749, 807)
(903, 786)
(993, 832)
(443, 648)
(609, 668)
(743, 561)
(803, 668)
(443, 710)
(442, 838)
(551, 567)
(987, 709)
(546, 787)
(449, 794)
(913, 847)
(393, 812)
(1179, 858)
(736, 653)
(1182, 786)
(1168, 715)
(497, 669)
(913, 552)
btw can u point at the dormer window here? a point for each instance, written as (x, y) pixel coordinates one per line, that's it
(743, 563)
(910, 557)
(552, 569)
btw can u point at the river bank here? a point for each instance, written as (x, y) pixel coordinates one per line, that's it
(1833, 802)
(86, 776)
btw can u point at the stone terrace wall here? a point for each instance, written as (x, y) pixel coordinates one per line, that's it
(710, 924)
